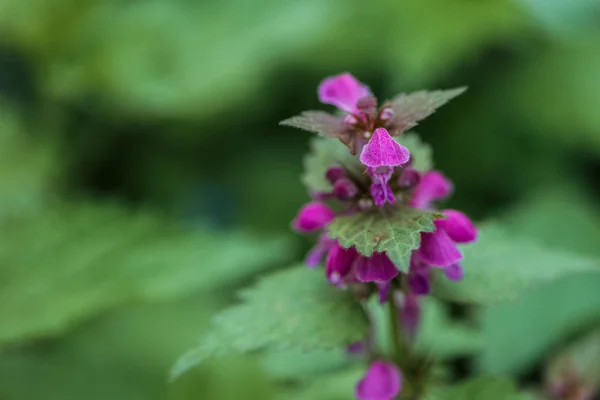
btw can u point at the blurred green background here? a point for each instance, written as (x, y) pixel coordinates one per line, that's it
(144, 177)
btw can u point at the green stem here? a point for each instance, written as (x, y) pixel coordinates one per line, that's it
(393, 314)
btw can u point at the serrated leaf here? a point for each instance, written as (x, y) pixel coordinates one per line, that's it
(318, 122)
(480, 388)
(411, 108)
(420, 152)
(396, 232)
(291, 308)
(72, 261)
(535, 322)
(323, 154)
(501, 266)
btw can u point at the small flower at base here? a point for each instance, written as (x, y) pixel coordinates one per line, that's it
(339, 264)
(313, 217)
(334, 173)
(419, 283)
(410, 312)
(432, 186)
(345, 189)
(383, 381)
(382, 150)
(382, 193)
(342, 91)
(377, 268)
(438, 249)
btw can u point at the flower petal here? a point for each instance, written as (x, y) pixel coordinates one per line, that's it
(458, 226)
(377, 268)
(454, 272)
(383, 150)
(438, 249)
(342, 91)
(313, 217)
(339, 263)
(382, 193)
(419, 283)
(432, 186)
(382, 381)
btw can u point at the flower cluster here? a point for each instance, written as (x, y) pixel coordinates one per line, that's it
(389, 181)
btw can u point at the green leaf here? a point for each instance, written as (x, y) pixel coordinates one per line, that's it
(72, 261)
(336, 386)
(548, 215)
(291, 308)
(420, 152)
(502, 266)
(517, 334)
(411, 108)
(325, 153)
(396, 232)
(27, 167)
(440, 337)
(480, 388)
(318, 122)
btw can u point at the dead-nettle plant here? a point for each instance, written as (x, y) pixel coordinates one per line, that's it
(382, 233)
(385, 246)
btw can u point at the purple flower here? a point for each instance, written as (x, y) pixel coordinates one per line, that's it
(383, 151)
(344, 189)
(381, 193)
(339, 266)
(454, 272)
(439, 248)
(312, 217)
(382, 381)
(343, 91)
(321, 249)
(432, 186)
(377, 268)
(410, 313)
(418, 276)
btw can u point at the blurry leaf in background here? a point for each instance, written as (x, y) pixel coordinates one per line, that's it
(503, 266)
(420, 152)
(74, 260)
(563, 216)
(306, 365)
(565, 18)
(557, 91)
(291, 308)
(165, 58)
(432, 36)
(478, 388)
(28, 165)
(125, 354)
(440, 337)
(517, 334)
(336, 386)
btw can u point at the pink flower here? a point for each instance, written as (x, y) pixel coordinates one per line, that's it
(343, 91)
(339, 266)
(382, 381)
(312, 217)
(383, 151)
(432, 186)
